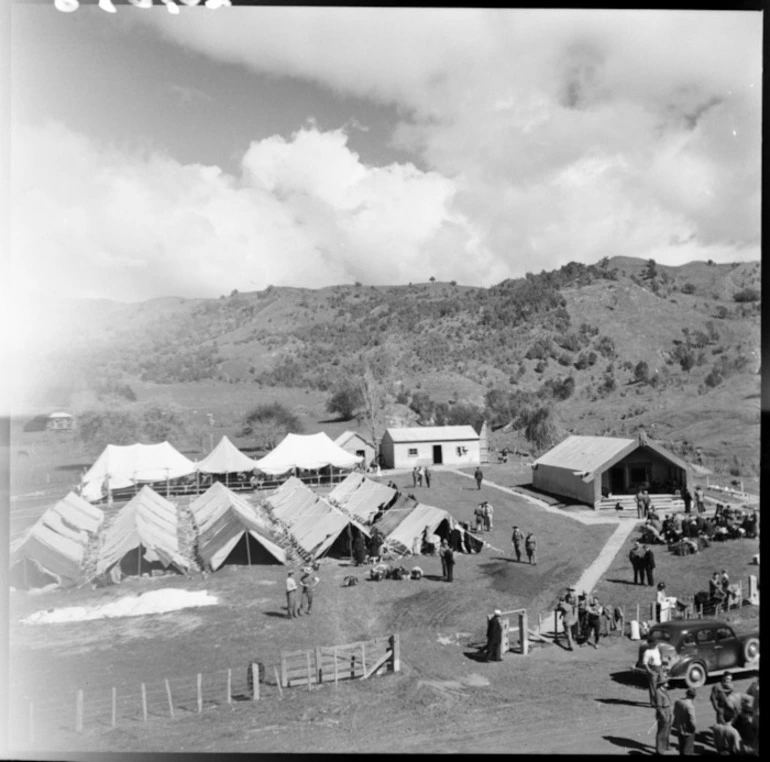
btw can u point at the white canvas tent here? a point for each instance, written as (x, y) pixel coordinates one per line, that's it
(232, 530)
(125, 465)
(316, 525)
(143, 536)
(362, 497)
(309, 452)
(226, 458)
(52, 550)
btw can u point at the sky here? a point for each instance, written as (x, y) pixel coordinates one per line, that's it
(189, 155)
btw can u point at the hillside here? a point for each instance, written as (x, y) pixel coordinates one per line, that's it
(591, 327)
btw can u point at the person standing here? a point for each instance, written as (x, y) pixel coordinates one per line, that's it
(479, 514)
(495, 637)
(684, 722)
(722, 698)
(639, 504)
(700, 504)
(662, 714)
(652, 663)
(517, 539)
(449, 560)
(291, 595)
(646, 502)
(530, 545)
(427, 475)
(648, 564)
(414, 476)
(636, 557)
(308, 581)
(593, 615)
(359, 549)
(478, 475)
(419, 476)
(687, 498)
(442, 555)
(568, 618)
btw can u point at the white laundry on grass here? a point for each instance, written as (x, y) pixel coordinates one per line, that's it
(153, 602)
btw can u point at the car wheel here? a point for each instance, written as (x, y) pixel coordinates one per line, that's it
(751, 650)
(696, 675)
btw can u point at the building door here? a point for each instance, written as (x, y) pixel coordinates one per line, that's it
(438, 456)
(617, 480)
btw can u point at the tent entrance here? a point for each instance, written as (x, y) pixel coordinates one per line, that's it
(27, 575)
(134, 564)
(250, 552)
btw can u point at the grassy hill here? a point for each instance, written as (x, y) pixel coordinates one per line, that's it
(696, 327)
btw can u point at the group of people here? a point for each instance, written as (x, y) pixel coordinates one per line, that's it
(307, 584)
(482, 515)
(585, 616)
(643, 563)
(736, 726)
(530, 545)
(420, 473)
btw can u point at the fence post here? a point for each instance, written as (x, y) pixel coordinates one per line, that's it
(170, 702)
(284, 673)
(144, 702)
(524, 633)
(395, 644)
(79, 711)
(114, 706)
(363, 657)
(200, 692)
(255, 681)
(319, 666)
(230, 685)
(278, 679)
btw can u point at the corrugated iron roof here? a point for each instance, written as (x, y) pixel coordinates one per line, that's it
(584, 453)
(433, 434)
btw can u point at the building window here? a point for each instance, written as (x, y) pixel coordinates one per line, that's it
(412, 452)
(462, 451)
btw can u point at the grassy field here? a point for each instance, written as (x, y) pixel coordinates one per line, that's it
(443, 700)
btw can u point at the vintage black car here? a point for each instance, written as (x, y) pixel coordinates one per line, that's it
(695, 649)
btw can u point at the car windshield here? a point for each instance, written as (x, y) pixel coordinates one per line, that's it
(659, 635)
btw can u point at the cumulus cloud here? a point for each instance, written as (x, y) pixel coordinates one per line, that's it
(565, 133)
(96, 220)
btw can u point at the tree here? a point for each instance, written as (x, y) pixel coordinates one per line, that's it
(98, 427)
(163, 421)
(346, 399)
(650, 270)
(540, 426)
(642, 372)
(270, 423)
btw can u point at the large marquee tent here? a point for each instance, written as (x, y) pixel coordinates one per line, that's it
(226, 458)
(362, 497)
(53, 549)
(143, 537)
(318, 527)
(126, 465)
(231, 530)
(308, 452)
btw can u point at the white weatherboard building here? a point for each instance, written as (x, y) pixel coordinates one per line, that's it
(430, 445)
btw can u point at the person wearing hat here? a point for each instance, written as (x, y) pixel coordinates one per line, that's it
(568, 618)
(662, 713)
(442, 555)
(723, 699)
(530, 545)
(517, 539)
(593, 616)
(291, 595)
(648, 564)
(744, 724)
(636, 556)
(684, 722)
(652, 661)
(494, 650)
(308, 581)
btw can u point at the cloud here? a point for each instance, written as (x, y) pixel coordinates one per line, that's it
(566, 134)
(99, 220)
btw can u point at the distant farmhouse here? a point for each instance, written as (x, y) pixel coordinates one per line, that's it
(602, 471)
(54, 422)
(430, 445)
(355, 444)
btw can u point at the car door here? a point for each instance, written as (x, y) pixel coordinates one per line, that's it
(726, 648)
(706, 652)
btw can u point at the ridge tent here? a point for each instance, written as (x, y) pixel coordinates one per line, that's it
(231, 530)
(226, 458)
(143, 537)
(306, 451)
(403, 527)
(362, 497)
(125, 465)
(53, 549)
(318, 527)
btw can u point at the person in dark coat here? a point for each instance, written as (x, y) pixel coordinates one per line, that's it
(375, 544)
(478, 475)
(456, 539)
(494, 637)
(663, 714)
(449, 560)
(687, 498)
(359, 550)
(649, 564)
(427, 474)
(442, 555)
(684, 722)
(636, 557)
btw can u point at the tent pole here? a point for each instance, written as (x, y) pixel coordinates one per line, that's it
(139, 561)
(197, 482)
(167, 482)
(227, 478)
(248, 549)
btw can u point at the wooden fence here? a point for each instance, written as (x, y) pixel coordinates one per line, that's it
(351, 661)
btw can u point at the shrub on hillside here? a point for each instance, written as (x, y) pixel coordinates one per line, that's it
(688, 288)
(605, 346)
(346, 399)
(559, 389)
(540, 349)
(747, 295)
(269, 423)
(642, 372)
